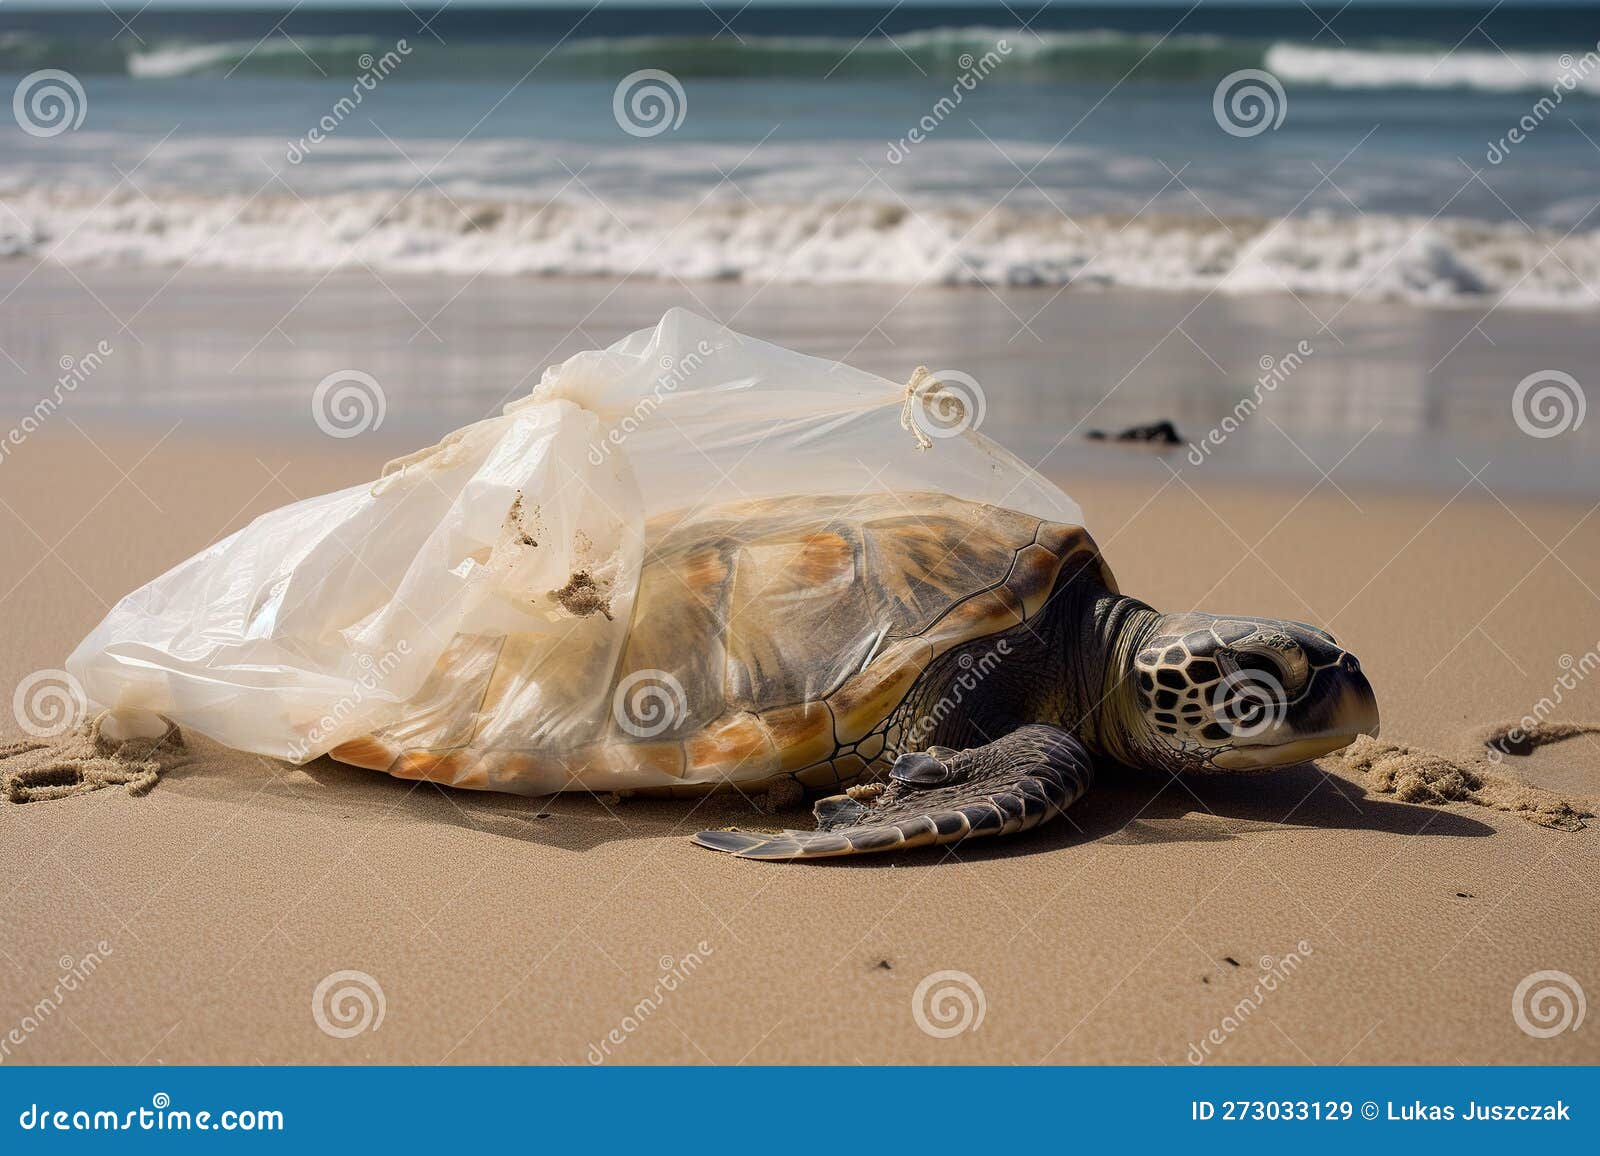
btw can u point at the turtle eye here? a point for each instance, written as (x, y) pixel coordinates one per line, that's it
(1279, 660)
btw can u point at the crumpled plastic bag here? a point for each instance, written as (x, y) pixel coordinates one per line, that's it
(359, 620)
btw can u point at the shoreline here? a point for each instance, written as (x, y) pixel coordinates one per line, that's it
(1390, 396)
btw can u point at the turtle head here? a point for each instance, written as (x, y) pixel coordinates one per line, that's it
(1205, 692)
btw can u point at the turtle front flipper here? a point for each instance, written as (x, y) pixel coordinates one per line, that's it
(1016, 782)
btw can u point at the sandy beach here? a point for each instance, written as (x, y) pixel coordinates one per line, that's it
(511, 930)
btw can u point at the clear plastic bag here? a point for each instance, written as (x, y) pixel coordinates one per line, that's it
(464, 617)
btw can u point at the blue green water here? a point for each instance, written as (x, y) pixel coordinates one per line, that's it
(901, 144)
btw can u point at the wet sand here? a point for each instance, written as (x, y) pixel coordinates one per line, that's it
(1399, 396)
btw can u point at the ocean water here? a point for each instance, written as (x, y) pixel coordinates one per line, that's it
(1369, 157)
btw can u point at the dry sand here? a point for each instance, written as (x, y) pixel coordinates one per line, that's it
(517, 930)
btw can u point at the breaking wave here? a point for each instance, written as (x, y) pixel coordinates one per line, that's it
(1059, 56)
(1438, 262)
(1426, 68)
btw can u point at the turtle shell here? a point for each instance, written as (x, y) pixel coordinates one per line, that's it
(770, 639)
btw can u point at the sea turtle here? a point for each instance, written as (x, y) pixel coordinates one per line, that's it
(966, 666)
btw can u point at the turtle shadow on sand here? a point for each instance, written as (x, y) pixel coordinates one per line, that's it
(1372, 785)
(1127, 806)
(1130, 806)
(344, 794)
(1148, 807)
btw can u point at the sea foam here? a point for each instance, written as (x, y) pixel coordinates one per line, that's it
(1441, 261)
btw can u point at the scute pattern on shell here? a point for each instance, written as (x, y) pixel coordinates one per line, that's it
(794, 627)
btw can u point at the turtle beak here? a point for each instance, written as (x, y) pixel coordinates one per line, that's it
(1339, 708)
(1359, 710)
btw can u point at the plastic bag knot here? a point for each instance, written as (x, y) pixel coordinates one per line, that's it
(438, 456)
(919, 384)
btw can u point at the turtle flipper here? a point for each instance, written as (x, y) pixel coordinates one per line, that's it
(1016, 782)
